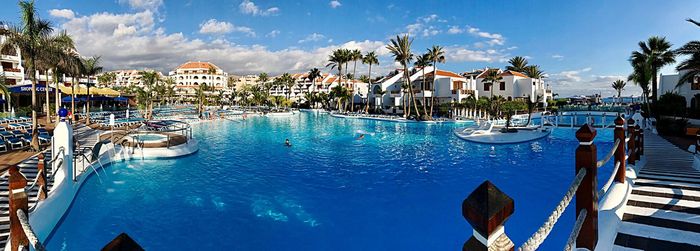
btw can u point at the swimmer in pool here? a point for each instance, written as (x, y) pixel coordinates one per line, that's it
(286, 142)
(362, 136)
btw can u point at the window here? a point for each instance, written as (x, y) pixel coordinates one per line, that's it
(503, 86)
(486, 87)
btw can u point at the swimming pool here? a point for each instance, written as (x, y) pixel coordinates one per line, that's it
(400, 188)
(151, 137)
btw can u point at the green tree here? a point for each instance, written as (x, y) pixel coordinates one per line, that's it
(369, 59)
(533, 71)
(400, 48)
(423, 61)
(91, 68)
(492, 77)
(619, 85)
(518, 64)
(437, 55)
(30, 38)
(656, 51)
(510, 107)
(150, 80)
(314, 74)
(641, 75)
(4, 90)
(692, 64)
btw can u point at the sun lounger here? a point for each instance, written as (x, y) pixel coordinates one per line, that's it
(3, 146)
(15, 143)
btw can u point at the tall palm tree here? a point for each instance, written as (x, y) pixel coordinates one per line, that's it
(4, 90)
(619, 85)
(437, 55)
(288, 81)
(423, 61)
(642, 75)
(313, 75)
(337, 59)
(691, 64)
(657, 52)
(150, 81)
(369, 59)
(401, 50)
(492, 77)
(91, 67)
(30, 38)
(517, 63)
(74, 66)
(533, 71)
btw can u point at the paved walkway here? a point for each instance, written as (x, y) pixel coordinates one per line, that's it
(663, 211)
(86, 138)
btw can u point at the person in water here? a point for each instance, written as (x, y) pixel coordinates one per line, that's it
(286, 142)
(362, 136)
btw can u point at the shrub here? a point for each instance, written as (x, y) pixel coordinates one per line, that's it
(671, 127)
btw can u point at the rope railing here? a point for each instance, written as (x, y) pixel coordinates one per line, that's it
(577, 229)
(609, 155)
(609, 183)
(36, 179)
(28, 231)
(538, 237)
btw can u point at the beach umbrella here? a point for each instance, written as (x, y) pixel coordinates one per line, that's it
(12, 113)
(127, 113)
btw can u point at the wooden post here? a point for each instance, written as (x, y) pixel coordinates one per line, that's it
(18, 201)
(41, 182)
(587, 193)
(487, 208)
(620, 152)
(631, 144)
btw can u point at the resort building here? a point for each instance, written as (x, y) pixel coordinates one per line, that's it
(512, 85)
(127, 78)
(189, 76)
(690, 90)
(388, 95)
(323, 84)
(239, 82)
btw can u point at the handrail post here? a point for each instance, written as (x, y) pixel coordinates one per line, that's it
(697, 141)
(620, 151)
(640, 143)
(587, 193)
(631, 145)
(41, 182)
(18, 201)
(486, 209)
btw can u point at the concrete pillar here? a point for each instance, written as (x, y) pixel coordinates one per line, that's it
(63, 139)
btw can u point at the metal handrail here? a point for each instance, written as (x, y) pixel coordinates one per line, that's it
(609, 155)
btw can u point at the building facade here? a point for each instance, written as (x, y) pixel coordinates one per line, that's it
(512, 85)
(189, 76)
(690, 90)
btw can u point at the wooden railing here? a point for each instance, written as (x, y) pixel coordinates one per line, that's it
(487, 207)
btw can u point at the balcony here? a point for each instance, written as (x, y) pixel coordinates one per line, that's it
(395, 93)
(425, 93)
(13, 58)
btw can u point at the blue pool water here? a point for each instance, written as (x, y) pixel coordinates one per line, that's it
(151, 137)
(400, 188)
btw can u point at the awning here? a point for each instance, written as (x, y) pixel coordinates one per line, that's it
(121, 99)
(77, 99)
(93, 91)
(27, 89)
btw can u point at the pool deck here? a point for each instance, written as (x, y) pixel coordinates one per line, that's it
(663, 210)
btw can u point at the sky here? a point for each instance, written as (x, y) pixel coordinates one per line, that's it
(581, 45)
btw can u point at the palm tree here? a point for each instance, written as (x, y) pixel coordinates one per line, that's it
(531, 104)
(314, 74)
(3, 89)
(288, 81)
(437, 55)
(642, 75)
(369, 59)
(30, 38)
(517, 64)
(619, 85)
(91, 67)
(401, 49)
(211, 71)
(150, 81)
(691, 64)
(533, 71)
(74, 66)
(423, 61)
(492, 77)
(657, 52)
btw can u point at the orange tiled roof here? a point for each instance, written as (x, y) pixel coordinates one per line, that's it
(446, 74)
(197, 65)
(513, 73)
(484, 73)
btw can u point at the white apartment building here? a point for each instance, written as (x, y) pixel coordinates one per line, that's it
(388, 95)
(240, 81)
(323, 84)
(689, 90)
(513, 85)
(189, 76)
(127, 78)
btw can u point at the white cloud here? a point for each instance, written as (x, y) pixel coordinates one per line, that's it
(494, 38)
(248, 7)
(313, 37)
(576, 82)
(463, 54)
(455, 30)
(62, 13)
(557, 57)
(143, 4)
(424, 26)
(212, 26)
(273, 33)
(137, 43)
(335, 4)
